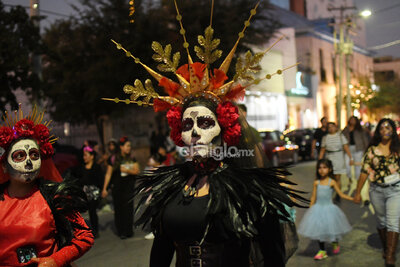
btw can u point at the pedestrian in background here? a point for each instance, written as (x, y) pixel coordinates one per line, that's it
(91, 179)
(155, 161)
(256, 134)
(122, 174)
(319, 133)
(358, 142)
(381, 167)
(109, 152)
(324, 221)
(333, 146)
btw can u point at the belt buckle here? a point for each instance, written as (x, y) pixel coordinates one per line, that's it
(196, 263)
(195, 250)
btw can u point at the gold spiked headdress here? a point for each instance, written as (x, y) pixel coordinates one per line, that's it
(33, 126)
(195, 79)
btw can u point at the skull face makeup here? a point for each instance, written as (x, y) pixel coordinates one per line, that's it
(386, 130)
(200, 130)
(23, 160)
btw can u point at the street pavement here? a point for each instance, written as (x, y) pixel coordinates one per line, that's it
(360, 247)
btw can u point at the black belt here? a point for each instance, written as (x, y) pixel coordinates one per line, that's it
(330, 151)
(195, 255)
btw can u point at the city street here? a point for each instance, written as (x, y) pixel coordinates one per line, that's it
(106, 88)
(360, 247)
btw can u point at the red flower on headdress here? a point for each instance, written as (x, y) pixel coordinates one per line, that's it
(218, 79)
(228, 116)
(46, 150)
(169, 86)
(174, 116)
(42, 133)
(231, 135)
(6, 136)
(24, 128)
(123, 139)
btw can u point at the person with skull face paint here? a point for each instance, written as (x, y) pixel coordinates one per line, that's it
(218, 209)
(381, 166)
(39, 216)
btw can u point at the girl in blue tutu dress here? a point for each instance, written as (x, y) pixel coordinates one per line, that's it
(324, 221)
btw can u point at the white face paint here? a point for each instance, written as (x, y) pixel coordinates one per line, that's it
(200, 130)
(24, 160)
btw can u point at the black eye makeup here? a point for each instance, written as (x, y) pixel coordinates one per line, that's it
(187, 124)
(204, 122)
(34, 154)
(18, 156)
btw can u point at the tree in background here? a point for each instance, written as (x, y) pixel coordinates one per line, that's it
(82, 64)
(361, 93)
(387, 99)
(19, 40)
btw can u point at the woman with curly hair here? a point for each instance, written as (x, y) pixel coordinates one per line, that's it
(381, 167)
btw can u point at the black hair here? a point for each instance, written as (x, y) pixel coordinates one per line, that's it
(123, 140)
(242, 107)
(92, 143)
(328, 164)
(201, 101)
(377, 138)
(358, 124)
(112, 142)
(323, 118)
(92, 153)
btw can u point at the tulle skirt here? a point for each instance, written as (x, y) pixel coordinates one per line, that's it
(324, 223)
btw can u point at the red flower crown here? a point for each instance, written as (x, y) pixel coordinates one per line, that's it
(31, 127)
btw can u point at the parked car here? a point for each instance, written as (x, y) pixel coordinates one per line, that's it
(303, 138)
(277, 149)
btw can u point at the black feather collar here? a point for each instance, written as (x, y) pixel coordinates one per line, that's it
(240, 197)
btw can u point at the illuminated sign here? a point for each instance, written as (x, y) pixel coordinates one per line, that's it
(303, 85)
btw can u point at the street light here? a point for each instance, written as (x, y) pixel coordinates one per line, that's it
(365, 13)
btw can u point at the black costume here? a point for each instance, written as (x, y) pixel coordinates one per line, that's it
(318, 135)
(237, 220)
(87, 179)
(122, 193)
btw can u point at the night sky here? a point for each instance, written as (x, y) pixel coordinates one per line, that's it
(382, 26)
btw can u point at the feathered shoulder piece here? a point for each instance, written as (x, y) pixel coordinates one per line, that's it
(65, 199)
(239, 197)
